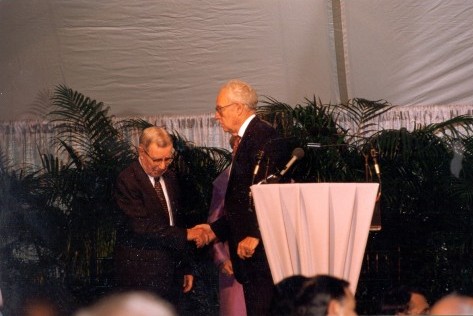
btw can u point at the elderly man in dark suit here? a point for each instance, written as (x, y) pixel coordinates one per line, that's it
(151, 247)
(235, 111)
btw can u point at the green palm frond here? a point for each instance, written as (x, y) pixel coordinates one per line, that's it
(55, 184)
(408, 148)
(462, 190)
(317, 122)
(462, 186)
(454, 128)
(362, 113)
(279, 114)
(310, 122)
(86, 126)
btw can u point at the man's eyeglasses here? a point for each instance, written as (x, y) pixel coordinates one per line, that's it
(219, 108)
(166, 160)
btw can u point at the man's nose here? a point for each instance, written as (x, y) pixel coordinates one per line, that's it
(161, 164)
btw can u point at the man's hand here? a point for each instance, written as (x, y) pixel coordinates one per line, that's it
(226, 267)
(246, 247)
(188, 283)
(202, 235)
(194, 233)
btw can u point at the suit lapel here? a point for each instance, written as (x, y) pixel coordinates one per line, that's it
(246, 135)
(242, 147)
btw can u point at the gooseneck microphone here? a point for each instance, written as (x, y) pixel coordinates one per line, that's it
(259, 157)
(296, 154)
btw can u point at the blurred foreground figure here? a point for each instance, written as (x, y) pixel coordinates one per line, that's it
(130, 304)
(39, 307)
(322, 295)
(453, 304)
(285, 294)
(403, 300)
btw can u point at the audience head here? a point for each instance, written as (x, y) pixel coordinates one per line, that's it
(403, 300)
(325, 295)
(317, 296)
(39, 305)
(236, 101)
(453, 304)
(155, 150)
(129, 304)
(285, 293)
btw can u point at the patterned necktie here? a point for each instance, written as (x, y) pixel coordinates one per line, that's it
(162, 199)
(236, 142)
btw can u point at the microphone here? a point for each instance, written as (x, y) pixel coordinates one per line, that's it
(376, 167)
(273, 145)
(296, 154)
(259, 157)
(374, 155)
(319, 145)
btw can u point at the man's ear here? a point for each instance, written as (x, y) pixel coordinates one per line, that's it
(333, 308)
(240, 109)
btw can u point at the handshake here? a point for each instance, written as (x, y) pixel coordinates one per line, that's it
(201, 234)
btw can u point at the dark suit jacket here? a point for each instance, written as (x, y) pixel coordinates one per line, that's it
(149, 252)
(240, 217)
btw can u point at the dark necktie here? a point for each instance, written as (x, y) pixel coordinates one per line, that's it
(236, 142)
(162, 199)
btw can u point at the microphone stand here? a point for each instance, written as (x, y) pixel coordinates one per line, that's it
(272, 178)
(376, 219)
(368, 174)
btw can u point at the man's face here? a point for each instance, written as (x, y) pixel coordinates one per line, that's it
(226, 112)
(155, 160)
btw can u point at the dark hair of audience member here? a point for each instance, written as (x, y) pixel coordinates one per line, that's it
(396, 300)
(299, 295)
(317, 293)
(283, 300)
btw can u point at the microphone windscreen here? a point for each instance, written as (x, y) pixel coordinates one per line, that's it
(298, 153)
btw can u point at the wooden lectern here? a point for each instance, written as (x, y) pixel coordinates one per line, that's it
(315, 228)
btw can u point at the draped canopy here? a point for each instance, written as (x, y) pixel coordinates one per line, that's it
(168, 58)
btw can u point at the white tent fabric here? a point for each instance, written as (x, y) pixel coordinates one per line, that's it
(167, 59)
(162, 57)
(410, 52)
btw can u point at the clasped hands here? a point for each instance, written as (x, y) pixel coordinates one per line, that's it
(246, 247)
(202, 235)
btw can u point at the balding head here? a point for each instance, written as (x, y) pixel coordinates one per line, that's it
(241, 92)
(236, 102)
(129, 304)
(453, 305)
